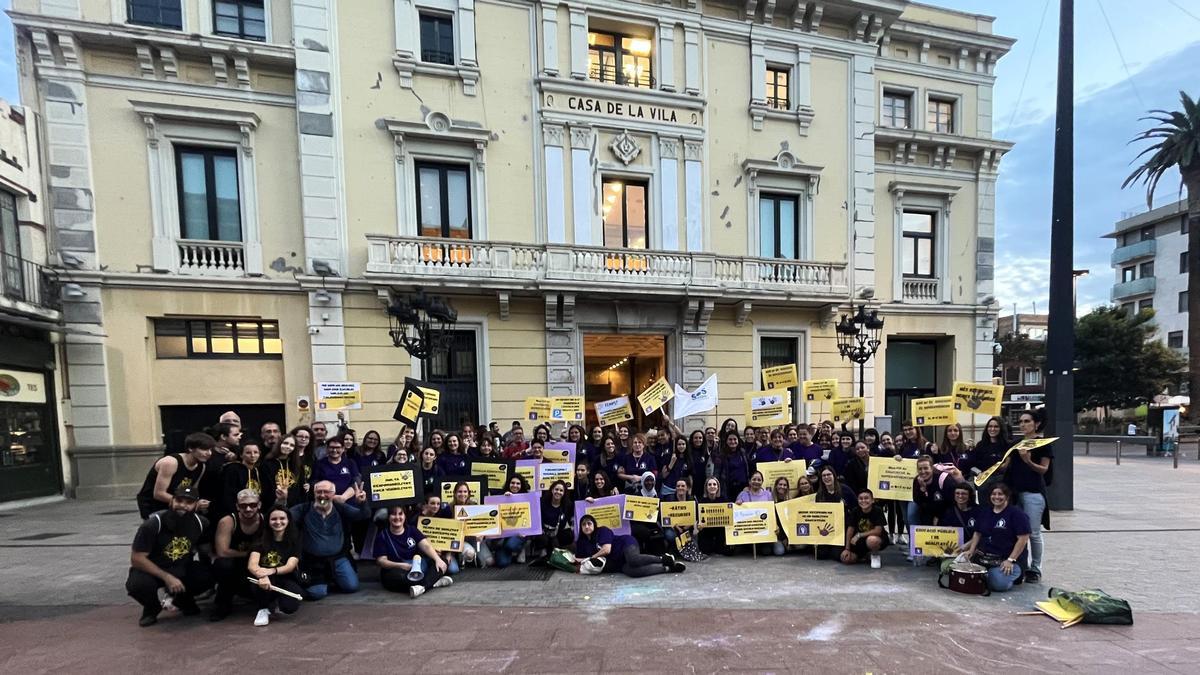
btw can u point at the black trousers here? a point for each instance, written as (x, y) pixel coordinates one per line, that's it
(548, 542)
(268, 599)
(144, 587)
(649, 537)
(396, 580)
(230, 575)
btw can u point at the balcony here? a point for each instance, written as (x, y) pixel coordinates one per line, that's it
(921, 290)
(28, 288)
(506, 265)
(1142, 249)
(1129, 289)
(211, 258)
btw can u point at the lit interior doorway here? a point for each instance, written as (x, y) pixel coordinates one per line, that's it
(621, 365)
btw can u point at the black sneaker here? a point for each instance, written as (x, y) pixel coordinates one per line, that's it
(219, 613)
(187, 607)
(1032, 577)
(668, 560)
(677, 567)
(149, 618)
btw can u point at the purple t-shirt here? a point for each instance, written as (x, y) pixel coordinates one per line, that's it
(769, 454)
(636, 466)
(585, 548)
(398, 547)
(999, 531)
(808, 453)
(764, 495)
(342, 475)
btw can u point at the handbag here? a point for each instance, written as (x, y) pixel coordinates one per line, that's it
(967, 578)
(562, 559)
(592, 565)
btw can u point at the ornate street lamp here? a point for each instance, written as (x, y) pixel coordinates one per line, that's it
(858, 340)
(421, 324)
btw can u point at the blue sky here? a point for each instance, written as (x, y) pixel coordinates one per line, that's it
(1160, 45)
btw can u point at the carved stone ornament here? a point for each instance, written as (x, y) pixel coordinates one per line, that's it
(625, 148)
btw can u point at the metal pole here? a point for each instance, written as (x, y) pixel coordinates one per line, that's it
(1118, 452)
(862, 373)
(1060, 339)
(1175, 456)
(1087, 447)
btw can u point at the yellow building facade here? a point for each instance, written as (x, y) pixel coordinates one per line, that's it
(607, 192)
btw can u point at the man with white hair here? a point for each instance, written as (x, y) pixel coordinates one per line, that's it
(235, 538)
(230, 417)
(324, 544)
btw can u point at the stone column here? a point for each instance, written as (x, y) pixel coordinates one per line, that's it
(563, 361)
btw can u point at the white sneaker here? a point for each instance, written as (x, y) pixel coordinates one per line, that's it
(166, 600)
(416, 591)
(263, 617)
(521, 557)
(443, 582)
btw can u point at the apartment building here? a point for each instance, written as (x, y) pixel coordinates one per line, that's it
(1150, 266)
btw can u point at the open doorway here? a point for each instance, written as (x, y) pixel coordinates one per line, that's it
(621, 365)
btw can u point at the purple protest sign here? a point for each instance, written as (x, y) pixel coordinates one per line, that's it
(607, 512)
(520, 514)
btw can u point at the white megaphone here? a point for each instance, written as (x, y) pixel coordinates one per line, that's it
(417, 572)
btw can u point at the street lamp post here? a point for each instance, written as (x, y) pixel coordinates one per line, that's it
(421, 324)
(858, 340)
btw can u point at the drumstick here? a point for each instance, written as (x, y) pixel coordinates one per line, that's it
(1072, 622)
(279, 590)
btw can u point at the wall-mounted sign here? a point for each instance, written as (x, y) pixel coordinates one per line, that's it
(19, 386)
(621, 110)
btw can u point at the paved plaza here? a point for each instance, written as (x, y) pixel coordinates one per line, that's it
(1133, 534)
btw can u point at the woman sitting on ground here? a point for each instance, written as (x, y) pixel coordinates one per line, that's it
(781, 492)
(274, 563)
(649, 535)
(932, 491)
(511, 547)
(558, 517)
(396, 548)
(755, 492)
(962, 512)
(475, 550)
(620, 551)
(681, 493)
(434, 508)
(1001, 535)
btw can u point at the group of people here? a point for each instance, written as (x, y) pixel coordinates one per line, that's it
(292, 520)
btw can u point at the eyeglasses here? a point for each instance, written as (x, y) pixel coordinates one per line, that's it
(248, 507)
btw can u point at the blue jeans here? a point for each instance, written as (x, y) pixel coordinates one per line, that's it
(452, 566)
(1000, 582)
(508, 549)
(344, 578)
(912, 514)
(1034, 504)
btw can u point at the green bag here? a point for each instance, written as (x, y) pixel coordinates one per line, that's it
(1098, 606)
(561, 558)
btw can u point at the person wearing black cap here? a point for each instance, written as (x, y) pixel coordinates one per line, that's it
(163, 556)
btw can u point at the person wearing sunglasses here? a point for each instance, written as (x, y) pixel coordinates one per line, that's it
(237, 534)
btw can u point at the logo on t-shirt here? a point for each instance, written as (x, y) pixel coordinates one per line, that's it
(177, 548)
(410, 542)
(1001, 524)
(272, 559)
(345, 471)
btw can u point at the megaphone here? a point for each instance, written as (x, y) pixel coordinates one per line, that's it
(417, 573)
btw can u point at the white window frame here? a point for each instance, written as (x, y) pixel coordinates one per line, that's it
(407, 59)
(782, 175)
(438, 140)
(955, 100)
(922, 197)
(1036, 377)
(914, 97)
(168, 125)
(208, 27)
(798, 62)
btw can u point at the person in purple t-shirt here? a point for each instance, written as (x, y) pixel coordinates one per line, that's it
(1001, 535)
(336, 468)
(620, 551)
(773, 451)
(397, 548)
(804, 449)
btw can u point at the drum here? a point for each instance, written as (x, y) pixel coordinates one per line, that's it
(967, 578)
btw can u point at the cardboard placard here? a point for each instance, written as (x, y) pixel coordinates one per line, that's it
(935, 411)
(780, 377)
(655, 396)
(753, 523)
(538, 408)
(520, 514)
(891, 478)
(976, 398)
(566, 409)
(767, 407)
(934, 542)
(614, 411)
(394, 485)
(444, 534)
(477, 484)
(481, 520)
(820, 390)
(715, 515)
(845, 410)
(606, 510)
(495, 471)
(817, 523)
(641, 509)
(677, 514)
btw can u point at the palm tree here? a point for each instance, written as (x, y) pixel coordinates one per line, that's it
(1177, 145)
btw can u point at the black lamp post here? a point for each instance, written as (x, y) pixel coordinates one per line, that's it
(421, 323)
(858, 340)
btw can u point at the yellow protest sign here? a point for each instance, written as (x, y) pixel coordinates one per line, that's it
(935, 411)
(814, 522)
(753, 523)
(683, 538)
(655, 396)
(474, 483)
(677, 514)
(339, 396)
(716, 515)
(845, 410)
(767, 407)
(387, 484)
(820, 390)
(891, 478)
(1028, 444)
(538, 408)
(433, 397)
(444, 534)
(411, 404)
(606, 515)
(527, 469)
(566, 409)
(934, 542)
(641, 509)
(780, 377)
(1060, 609)
(549, 472)
(515, 516)
(783, 510)
(773, 471)
(980, 399)
(496, 474)
(614, 411)
(481, 520)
